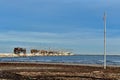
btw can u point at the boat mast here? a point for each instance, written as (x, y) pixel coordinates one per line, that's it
(104, 40)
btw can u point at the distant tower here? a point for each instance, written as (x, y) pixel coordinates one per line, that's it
(104, 40)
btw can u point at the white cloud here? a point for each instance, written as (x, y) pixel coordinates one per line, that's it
(47, 37)
(90, 41)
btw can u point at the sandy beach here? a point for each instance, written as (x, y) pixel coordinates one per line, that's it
(53, 71)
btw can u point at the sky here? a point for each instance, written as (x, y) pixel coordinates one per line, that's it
(73, 25)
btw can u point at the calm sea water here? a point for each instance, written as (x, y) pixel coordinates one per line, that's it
(79, 59)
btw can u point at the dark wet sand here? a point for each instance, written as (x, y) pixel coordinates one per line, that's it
(48, 71)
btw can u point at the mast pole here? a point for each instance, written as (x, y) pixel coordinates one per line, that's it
(104, 40)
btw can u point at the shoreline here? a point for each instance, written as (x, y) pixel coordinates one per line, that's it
(11, 55)
(37, 54)
(55, 63)
(28, 55)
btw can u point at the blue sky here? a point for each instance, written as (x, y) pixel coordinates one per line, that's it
(59, 24)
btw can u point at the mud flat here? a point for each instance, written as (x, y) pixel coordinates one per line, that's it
(48, 71)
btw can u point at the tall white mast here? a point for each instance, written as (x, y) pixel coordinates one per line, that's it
(104, 40)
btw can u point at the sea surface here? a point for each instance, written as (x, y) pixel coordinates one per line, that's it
(77, 59)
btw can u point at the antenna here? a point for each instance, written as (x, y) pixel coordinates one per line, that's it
(104, 40)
